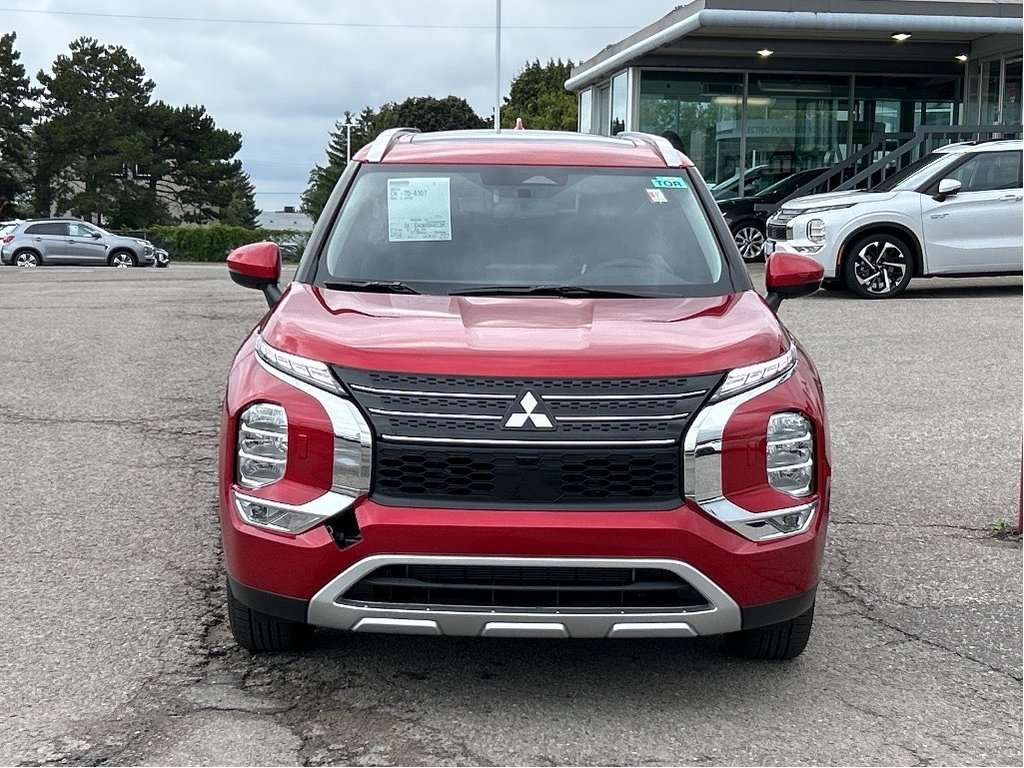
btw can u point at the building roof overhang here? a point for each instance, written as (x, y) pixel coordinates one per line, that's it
(940, 29)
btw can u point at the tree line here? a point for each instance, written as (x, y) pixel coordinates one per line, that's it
(537, 95)
(89, 139)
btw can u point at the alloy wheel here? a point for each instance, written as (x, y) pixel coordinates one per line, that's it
(880, 267)
(121, 261)
(26, 260)
(750, 242)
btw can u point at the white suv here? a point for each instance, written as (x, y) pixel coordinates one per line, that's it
(954, 213)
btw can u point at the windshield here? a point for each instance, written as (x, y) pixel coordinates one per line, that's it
(780, 189)
(915, 173)
(517, 229)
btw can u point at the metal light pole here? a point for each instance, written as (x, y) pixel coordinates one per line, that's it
(348, 141)
(497, 66)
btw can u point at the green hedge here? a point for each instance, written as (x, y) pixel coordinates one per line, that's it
(216, 241)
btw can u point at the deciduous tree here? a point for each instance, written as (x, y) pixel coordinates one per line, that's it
(537, 95)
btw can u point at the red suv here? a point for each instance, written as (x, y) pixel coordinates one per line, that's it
(521, 386)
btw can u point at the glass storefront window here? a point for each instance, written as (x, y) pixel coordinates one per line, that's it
(602, 107)
(991, 72)
(619, 101)
(1011, 92)
(702, 113)
(794, 123)
(585, 110)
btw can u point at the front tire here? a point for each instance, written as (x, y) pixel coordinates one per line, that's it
(749, 237)
(122, 260)
(260, 633)
(878, 266)
(775, 642)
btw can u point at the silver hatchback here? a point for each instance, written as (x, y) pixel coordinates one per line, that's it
(67, 241)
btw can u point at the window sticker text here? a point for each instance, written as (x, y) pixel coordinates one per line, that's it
(419, 210)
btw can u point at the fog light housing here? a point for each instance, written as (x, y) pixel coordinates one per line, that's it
(816, 231)
(262, 445)
(286, 518)
(790, 454)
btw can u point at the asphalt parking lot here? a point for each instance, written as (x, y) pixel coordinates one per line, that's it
(115, 649)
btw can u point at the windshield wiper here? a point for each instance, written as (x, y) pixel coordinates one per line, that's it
(569, 291)
(371, 286)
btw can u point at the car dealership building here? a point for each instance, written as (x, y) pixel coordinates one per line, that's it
(756, 90)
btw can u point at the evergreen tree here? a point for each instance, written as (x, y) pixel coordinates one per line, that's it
(424, 112)
(241, 211)
(537, 95)
(91, 103)
(16, 116)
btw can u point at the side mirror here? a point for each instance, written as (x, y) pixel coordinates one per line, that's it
(790, 275)
(257, 265)
(96, 235)
(947, 188)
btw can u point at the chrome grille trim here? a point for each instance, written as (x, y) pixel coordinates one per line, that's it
(535, 443)
(464, 410)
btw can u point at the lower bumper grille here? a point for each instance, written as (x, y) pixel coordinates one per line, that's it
(524, 588)
(640, 477)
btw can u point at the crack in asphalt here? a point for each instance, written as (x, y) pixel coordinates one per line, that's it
(858, 594)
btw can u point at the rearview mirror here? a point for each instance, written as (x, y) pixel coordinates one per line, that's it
(790, 275)
(947, 188)
(257, 265)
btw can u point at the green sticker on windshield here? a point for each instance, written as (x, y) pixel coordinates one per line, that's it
(668, 182)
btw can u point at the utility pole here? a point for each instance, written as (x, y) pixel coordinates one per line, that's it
(497, 66)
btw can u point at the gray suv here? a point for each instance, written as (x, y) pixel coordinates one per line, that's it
(67, 241)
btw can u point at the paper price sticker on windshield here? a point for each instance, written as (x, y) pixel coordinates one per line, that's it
(656, 196)
(668, 182)
(419, 210)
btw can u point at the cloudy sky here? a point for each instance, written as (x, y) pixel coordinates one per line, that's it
(282, 72)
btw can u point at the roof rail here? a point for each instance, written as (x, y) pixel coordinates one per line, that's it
(383, 143)
(672, 157)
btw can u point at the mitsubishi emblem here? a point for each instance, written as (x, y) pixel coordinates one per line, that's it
(528, 412)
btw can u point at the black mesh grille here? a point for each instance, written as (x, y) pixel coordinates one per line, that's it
(496, 477)
(524, 587)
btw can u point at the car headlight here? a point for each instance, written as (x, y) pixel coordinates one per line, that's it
(749, 376)
(353, 441)
(824, 208)
(790, 453)
(816, 231)
(262, 445)
(311, 371)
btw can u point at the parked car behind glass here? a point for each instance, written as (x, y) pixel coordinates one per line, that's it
(66, 241)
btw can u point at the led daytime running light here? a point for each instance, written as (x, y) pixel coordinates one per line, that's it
(311, 371)
(750, 376)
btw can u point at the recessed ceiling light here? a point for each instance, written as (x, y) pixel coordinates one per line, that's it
(764, 53)
(962, 58)
(899, 37)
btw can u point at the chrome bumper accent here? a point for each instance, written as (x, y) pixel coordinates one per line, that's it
(327, 609)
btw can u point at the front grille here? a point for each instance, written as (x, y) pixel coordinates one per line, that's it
(776, 228)
(514, 476)
(449, 440)
(524, 588)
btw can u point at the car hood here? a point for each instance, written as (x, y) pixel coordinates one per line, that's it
(525, 336)
(854, 197)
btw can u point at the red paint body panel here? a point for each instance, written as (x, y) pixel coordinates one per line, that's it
(791, 270)
(258, 260)
(525, 336)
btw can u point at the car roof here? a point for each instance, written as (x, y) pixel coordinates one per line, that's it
(994, 145)
(523, 147)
